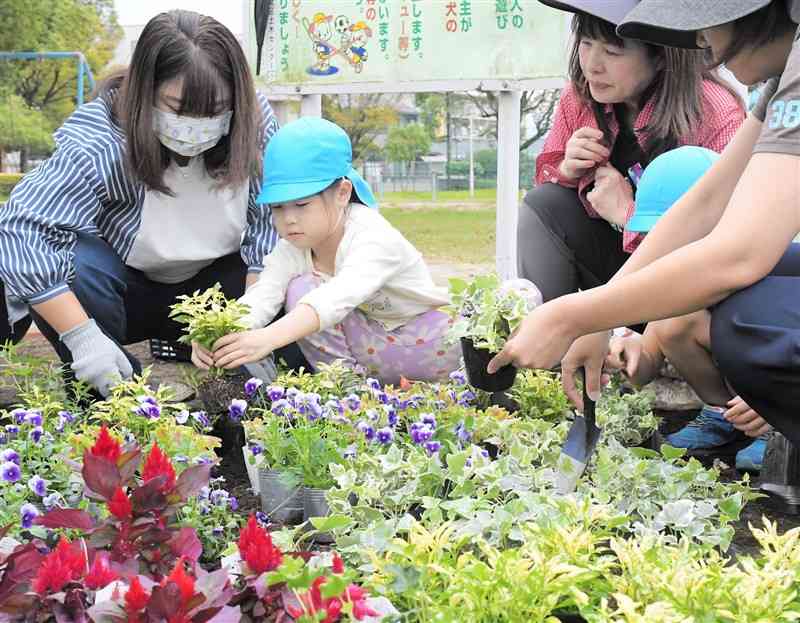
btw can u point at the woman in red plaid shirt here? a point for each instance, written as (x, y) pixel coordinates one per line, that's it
(626, 103)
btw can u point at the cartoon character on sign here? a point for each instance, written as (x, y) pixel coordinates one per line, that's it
(342, 26)
(320, 31)
(356, 52)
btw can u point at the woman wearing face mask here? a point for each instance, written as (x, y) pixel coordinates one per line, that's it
(626, 103)
(150, 194)
(727, 243)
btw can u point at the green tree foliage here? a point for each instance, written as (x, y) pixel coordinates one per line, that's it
(363, 117)
(408, 142)
(433, 113)
(22, 127)
(49, 86)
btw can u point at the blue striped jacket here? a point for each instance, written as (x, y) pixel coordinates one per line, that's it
(84, 187)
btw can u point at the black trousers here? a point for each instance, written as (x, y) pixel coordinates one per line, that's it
(560, 248)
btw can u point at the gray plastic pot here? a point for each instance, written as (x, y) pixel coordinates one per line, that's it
(315, 505)
(282, 504)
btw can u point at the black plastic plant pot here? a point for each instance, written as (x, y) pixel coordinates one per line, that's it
(476, 360)
(780, 474)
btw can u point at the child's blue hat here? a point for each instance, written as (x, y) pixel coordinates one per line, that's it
(306, 156)
(665, 180)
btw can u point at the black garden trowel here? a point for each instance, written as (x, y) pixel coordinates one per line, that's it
(581, 441)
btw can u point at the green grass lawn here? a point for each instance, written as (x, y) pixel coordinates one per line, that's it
(483, 195)
(446, 234)
(3, 198)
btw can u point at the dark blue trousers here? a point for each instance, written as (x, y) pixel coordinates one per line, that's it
(128, 306)
(755, 340)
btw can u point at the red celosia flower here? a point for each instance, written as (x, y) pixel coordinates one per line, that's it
(100, 575)
(136, 598)
(119, 505)
(358, 597)
(157, 464)
(184, 581)
(313, 603)
(256, 548)
(61, 566)
(106, 446)
(338, 564)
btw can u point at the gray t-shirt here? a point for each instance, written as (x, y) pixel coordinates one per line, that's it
(779, 106)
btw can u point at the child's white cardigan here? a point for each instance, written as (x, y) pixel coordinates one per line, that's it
(377, 271)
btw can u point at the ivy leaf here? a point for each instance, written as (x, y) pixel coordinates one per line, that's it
(331, 522)
(405, 578)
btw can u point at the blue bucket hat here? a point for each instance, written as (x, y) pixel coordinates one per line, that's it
(667, 179)
(306, 156)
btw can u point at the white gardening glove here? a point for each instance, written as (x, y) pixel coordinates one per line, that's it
(96, 359)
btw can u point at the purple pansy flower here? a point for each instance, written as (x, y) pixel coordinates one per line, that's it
(350, 452)
(148, 407)
(458, 377)
(466, 397)
(262, 518)
(236, 409)
(34, 417)
(233, 503)
(182, 417)
(181, 458)
(429, 419)
(275, 392)
(251, 386)
(420, 432)
(364, 427)
(385, 435)
(9, 455)
(463, 434)
(35, 434)
(432, 447)
(38, 485)
(373, 384)
(280, 407)
(50, 501)
(291, 394)
(12, 429)
(201, 417)
(28, 512)
(10, 471)
(255, 448)
(353, 402)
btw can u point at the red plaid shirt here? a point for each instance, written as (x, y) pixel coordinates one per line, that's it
(722, 116)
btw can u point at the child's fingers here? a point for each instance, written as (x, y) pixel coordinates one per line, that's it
(764, 428)
(226, 340)
(198, 361)
(737, 410)
(633, 356)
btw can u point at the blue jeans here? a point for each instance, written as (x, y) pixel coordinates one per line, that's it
(128, 306)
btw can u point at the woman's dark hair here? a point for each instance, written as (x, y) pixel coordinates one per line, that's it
(758, 28)
(676, 90)
(197, 48)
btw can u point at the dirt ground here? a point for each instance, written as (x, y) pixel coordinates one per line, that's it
(233, 469)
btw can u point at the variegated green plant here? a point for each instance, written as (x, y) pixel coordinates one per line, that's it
(208, 316)
(485, 312)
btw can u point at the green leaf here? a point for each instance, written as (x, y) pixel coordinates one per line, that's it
(331, 522)
(405, 578)
(670, 453)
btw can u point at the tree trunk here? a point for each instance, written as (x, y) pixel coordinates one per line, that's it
(23, 159)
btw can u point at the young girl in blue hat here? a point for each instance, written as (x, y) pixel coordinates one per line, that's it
(353, 287)
(726, 421)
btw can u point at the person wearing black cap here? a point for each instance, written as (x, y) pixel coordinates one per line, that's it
(735, 254)
(625, 104)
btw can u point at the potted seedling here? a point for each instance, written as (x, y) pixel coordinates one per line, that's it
(208, 316)
(486, 312)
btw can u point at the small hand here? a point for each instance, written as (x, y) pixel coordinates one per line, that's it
(625, 353)
(202, 357)
(745, 419)
(236, 349)
(611, 196)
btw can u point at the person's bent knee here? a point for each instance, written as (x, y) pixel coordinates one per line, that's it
(681, 329)
(95, 260)
(549, 199)
(730, 348)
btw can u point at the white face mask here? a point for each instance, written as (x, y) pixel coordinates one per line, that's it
(190, 136)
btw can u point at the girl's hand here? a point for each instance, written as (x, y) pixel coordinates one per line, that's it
(236, 349)
(745, 419)
(202, 357)
(584, 150)
(611, 196)
(624, 353)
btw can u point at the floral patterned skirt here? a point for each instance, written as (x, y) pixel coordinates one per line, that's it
(415, 350)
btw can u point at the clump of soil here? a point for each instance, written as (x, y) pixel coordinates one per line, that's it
(216, 392)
